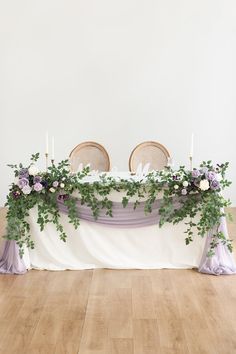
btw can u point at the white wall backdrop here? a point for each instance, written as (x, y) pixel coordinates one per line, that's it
(118, 72)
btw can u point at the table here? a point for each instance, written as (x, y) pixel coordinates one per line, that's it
(116, 243)
(95, 245)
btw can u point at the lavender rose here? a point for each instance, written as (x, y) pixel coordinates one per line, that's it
(26, 189)
(24, 173)
(38, 187)
(211, 175)
(23, 182)
(215, 185)
(55, 184)
(204, 169)
(37, 179)
(195, 173)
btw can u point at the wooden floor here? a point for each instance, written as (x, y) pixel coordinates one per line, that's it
(118, 312)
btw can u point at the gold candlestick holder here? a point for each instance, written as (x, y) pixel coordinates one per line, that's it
(46, 161)
(52, 162)
(191, 162)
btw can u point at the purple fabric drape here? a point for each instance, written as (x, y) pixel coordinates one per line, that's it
(221, 263)
(127, 217)
(10, 261)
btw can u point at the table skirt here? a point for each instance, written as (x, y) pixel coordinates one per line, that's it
(95, 245)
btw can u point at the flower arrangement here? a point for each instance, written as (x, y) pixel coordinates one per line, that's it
(198, 191)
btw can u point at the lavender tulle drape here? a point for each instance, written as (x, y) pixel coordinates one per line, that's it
(127, 217)
(221, 263)
(10, 261)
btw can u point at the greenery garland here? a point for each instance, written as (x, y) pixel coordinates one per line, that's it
(199, 192)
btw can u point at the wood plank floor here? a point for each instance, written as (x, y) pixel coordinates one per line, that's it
(117, 312)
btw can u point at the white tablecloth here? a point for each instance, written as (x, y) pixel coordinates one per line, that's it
(100, 246)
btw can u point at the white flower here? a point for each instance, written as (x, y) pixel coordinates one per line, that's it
(185, 184)
(176, 186)
(62, 185)
(204, 185)
(52, 190)
(26, 189)
(33, 170)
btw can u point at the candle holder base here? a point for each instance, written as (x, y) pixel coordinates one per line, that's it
(191, 162)
(46, 161)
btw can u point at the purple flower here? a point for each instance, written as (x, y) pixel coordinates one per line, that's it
(38, 187)
(195, 173)
(37, 179)
(204, 169)
(26, 189)
(55, 184)
(215, 185)
(16, 194)
(63, 197)
(184, 191)
(44, 183)
(175, 178)
(23, 182)
(211, 175)
(24, 173)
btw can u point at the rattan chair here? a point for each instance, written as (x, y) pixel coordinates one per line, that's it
(91, 153)
(149, 152)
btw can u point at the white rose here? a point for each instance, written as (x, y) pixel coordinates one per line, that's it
(204, 185)
(176, 186)
(26, 189)
(33, 170)
(52, 190)
(185, 184)
(62, 185)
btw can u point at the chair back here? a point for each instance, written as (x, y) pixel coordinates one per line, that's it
(149, 152)
(92, 153)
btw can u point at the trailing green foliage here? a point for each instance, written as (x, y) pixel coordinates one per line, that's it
(194, 196)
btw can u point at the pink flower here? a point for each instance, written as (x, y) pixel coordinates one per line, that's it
(23, 182)
(26, 189)
(38, 187)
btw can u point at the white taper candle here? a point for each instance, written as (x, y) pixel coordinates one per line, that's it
(46, 140)
(53, 148)
(191, 148)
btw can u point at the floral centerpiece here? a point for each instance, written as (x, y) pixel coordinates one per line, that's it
(198, 191)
